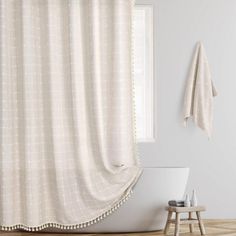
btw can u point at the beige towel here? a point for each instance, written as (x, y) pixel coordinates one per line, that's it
(200, 91)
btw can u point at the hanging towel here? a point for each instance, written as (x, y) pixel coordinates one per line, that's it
(200, 91)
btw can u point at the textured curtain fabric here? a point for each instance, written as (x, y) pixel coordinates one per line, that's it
(67, 147)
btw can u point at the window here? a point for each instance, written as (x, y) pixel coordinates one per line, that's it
(143, 72)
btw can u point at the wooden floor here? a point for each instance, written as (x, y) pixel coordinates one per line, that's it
(213, 228)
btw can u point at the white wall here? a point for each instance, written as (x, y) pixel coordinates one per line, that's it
(178, 25)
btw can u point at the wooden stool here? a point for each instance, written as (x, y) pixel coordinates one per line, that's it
(190, 220)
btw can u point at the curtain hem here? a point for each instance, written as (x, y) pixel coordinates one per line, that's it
(56, 225)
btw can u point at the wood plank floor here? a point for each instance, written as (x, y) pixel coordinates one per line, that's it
(213, 228)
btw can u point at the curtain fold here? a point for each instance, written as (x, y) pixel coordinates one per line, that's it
(67, 147)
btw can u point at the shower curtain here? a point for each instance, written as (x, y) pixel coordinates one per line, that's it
(67, 146)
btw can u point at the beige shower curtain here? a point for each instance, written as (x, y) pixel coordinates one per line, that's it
(67, 147)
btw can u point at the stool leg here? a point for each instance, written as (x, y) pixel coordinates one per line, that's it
(177, 223)
(168, 222)
(191, 226)
(201, 226)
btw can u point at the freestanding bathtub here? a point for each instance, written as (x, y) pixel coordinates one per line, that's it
(145, 210)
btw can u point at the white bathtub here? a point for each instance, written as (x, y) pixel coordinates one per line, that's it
(145, 210)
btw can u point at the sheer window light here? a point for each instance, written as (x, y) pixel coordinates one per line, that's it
(143, 72)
